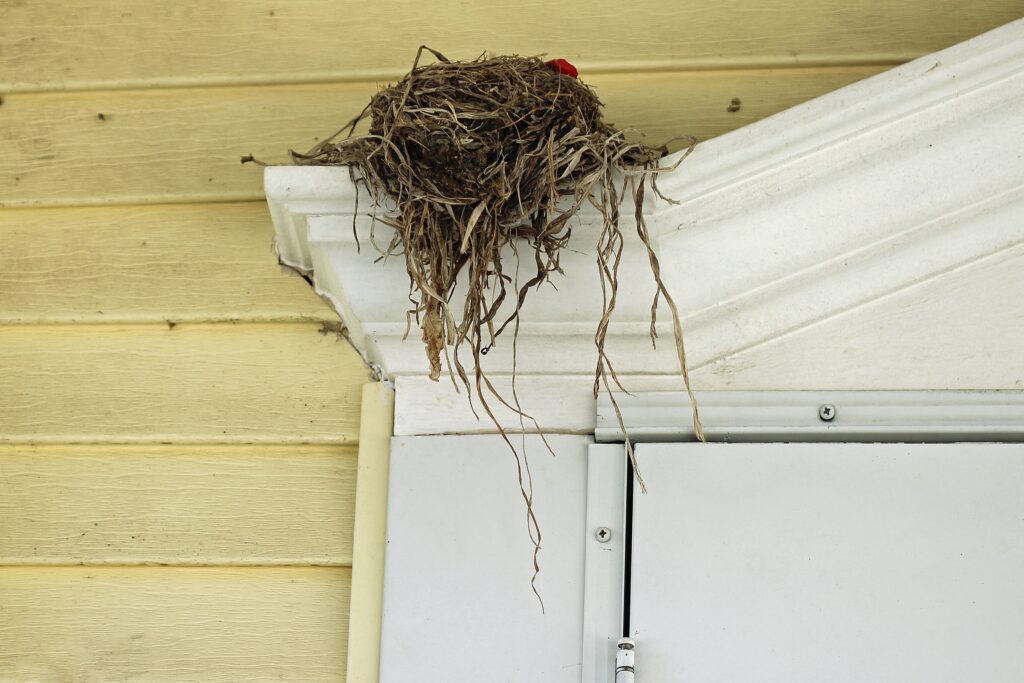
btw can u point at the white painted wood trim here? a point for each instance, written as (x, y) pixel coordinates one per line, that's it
(561, 404)
(877, 188)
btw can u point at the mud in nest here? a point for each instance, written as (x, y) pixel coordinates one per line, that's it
(480, 156)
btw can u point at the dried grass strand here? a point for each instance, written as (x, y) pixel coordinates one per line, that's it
(476, 156)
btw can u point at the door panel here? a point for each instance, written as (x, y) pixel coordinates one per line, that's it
(457, 599)
(829, 562)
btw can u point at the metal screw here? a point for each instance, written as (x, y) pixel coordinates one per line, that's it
(827, 412)
(603, 534)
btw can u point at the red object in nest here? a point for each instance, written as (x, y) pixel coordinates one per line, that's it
(563, 67)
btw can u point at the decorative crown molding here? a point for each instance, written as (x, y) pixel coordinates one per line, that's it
(839, 201)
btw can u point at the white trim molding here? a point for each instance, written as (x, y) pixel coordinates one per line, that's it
(910, 180)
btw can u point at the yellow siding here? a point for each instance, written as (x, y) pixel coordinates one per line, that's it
(221, 624)
(138, 43)
(268, 383)
(67, 155)
(166, 396)
(196, 505)
(147, 263)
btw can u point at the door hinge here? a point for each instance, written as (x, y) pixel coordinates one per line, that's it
(624, 656)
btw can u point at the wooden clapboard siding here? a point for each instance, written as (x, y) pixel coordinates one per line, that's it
(136, 43)
(190, 383)
(175, 504)
(192, 401)
(173, 624)
(65, 154)
(149, 263)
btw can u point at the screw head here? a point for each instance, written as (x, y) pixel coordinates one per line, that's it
(603, 534)
(827, 412)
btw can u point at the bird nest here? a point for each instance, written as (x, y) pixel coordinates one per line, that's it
(480, 155)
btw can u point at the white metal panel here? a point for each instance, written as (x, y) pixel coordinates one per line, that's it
(457, 599)
(605, 561)
(829, 562)
(797, 416)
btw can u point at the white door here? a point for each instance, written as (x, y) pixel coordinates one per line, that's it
(828, 562)
(458, 605)
(459, 562)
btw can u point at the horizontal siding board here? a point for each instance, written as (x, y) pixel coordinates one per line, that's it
(173, 624)
(177, 505)
(185, 145)
(179, 263)
(95, 44)
(280, 383)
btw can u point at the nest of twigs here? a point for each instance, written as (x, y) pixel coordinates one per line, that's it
(481, 155)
